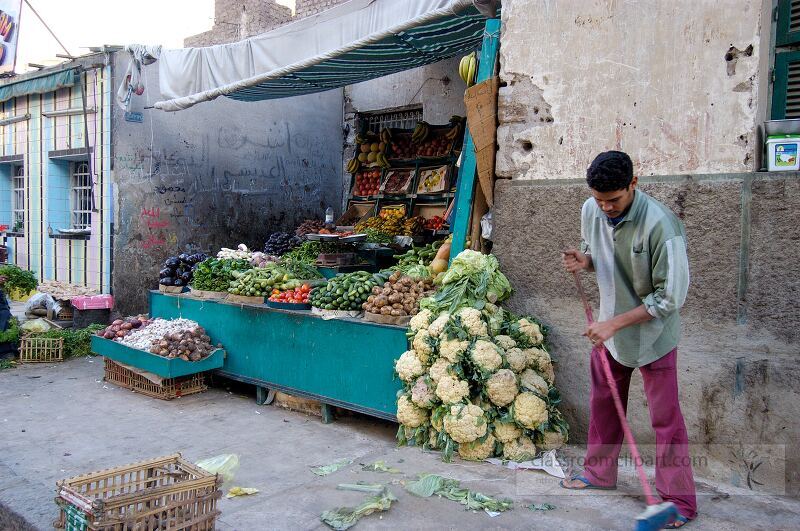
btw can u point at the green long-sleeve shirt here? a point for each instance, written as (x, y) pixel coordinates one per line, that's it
(641, 260)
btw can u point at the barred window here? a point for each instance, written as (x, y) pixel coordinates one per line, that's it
(18, 199)
(405, 119)
(81, 196)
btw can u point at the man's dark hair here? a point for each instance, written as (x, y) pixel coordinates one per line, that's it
(610, 171)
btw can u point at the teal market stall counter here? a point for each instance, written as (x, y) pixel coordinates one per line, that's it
(348, 363)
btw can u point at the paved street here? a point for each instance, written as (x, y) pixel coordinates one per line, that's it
(61, 420)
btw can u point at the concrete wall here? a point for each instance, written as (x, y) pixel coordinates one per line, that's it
(304, 8)
(235, 20)
(680, 86)
(217, 174)
(673, 83)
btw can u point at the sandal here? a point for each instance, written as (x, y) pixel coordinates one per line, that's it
(587, 484)
(682, 519)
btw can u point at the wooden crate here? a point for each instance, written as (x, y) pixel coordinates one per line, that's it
(164, 493)
(34, 349)
(168, 389)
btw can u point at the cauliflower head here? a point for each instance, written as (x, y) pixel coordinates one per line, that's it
(530, 411)
(477, 450)
(421, 320)
(409, 366)
(451, 390)
(539, 360)
(440, 368)
(423, 345)
(486, 355)
(505, 342)
(473, 323)
(550, 440)
(422, 394)
(437, 326)
(520, 449)
(408, 414)
(516, 359)
(506, 431)
(465, 423)
(531, 331)
(452, 349)
(532, 381)
(501, 387)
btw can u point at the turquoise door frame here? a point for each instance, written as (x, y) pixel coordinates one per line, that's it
(466, 177)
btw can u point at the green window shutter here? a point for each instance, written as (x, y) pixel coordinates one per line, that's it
(786, 87)
(788, 30)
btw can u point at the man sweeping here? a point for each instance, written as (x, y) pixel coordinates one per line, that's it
(637, 248)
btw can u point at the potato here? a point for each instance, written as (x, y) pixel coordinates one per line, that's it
(376, 290)
(386, 310)
(395, 313)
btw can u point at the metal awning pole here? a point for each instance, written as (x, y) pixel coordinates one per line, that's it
(465, 192)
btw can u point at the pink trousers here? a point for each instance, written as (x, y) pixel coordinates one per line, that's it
(674, 481)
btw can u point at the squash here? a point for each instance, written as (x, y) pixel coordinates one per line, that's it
(439, 265)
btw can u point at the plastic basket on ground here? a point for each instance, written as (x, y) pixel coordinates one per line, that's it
(164, 493)
(35, 349)
(167, 389)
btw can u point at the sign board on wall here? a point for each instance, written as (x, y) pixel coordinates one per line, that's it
(9, 32)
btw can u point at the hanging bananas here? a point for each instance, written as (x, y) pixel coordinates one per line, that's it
(386, 135)
(467, 68)
(420, 133)
(382, 161)
(353, 166)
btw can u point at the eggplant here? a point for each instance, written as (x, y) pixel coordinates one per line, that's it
(178, 282)
(183, 257)
(172, 262)
(164, 273)
(166, 281)
(186, 277)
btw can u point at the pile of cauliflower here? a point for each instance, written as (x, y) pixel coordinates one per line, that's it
(479, 383)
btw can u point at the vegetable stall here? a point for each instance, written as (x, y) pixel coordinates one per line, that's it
(378, 311)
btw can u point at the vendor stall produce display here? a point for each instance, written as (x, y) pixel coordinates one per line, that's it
(121, 328)
(413, 226)
(215, 274)
(399, 296)
(416, 260)
(478, 380)
(367, 182)
(64, 291)
(378, 236)
(188, 344)
(280, 243)
(389, 221)
(308, 252)
(178, 270)
(402, 147)
(298, 295)
(300, 269)
(432, 180)
(261, 259)
(435, 223)
(370, 151)
(309, 226)
(346, 292)
(398, 181)
(240, 253)
(260, 282)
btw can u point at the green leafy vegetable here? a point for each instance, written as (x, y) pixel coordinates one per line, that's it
(215, 274)
(380, 466)
(76, 342)
(429, 484)
(324, 470)
(17, 278)
(342, 518)
(12, 333)
(372, 488)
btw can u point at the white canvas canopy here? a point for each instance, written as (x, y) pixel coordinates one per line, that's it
(350, 43)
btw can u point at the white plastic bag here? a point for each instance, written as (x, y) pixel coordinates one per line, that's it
(225, 465)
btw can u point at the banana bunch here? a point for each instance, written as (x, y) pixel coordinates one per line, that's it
(413, 226)
(381, 160)
(467, 68)
(353, 166)
(386, 135)
(361, 139)
(420, 133)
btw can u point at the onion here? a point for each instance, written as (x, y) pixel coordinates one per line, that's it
(118, 322)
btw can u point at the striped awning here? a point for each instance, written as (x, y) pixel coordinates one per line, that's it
(353, 42)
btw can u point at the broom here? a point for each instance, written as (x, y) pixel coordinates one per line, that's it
(657, 515)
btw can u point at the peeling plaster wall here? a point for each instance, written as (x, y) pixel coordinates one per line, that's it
(215, 175)
(675, 84)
